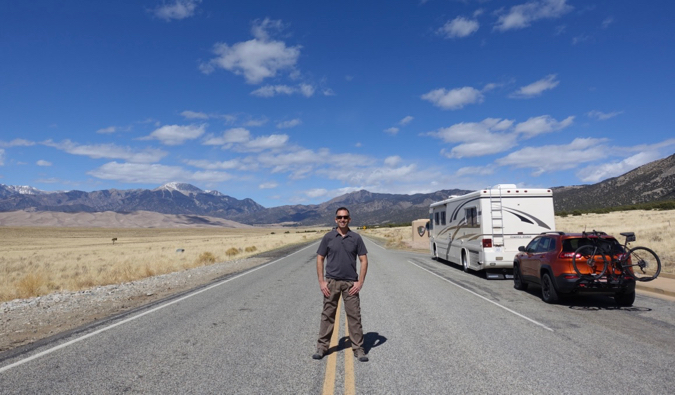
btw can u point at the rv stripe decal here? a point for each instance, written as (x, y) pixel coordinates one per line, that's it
(537, 220)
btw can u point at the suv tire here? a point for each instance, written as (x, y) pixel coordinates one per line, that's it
(625, 299)
(548, 292)
(518, 282)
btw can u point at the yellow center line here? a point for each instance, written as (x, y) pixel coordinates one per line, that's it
(331, 364)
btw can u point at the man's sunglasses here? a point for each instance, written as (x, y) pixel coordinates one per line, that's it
(342, 217)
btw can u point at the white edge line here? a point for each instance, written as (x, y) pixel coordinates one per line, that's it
(96, 332)
(484, 298)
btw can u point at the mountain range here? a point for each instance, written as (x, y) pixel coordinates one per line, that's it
(650, 182)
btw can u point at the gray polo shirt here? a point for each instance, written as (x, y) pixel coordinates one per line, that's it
(341, 253)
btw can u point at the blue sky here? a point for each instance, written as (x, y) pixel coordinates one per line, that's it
(296, 102)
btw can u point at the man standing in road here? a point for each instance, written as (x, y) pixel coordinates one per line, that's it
(341, 246)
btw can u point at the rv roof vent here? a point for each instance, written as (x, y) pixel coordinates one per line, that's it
(504, 186)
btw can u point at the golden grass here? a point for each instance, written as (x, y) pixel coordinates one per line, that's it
(36, 261)
(653, 229)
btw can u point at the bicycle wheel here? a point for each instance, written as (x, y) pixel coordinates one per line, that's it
(589, 262)
(644, 263)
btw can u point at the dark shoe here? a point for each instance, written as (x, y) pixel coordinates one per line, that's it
(361, 356)
(318, 354)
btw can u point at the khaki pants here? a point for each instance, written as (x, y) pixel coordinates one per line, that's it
(352, 309)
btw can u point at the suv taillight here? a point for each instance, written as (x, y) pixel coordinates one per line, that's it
(487, 243)
(566, 255)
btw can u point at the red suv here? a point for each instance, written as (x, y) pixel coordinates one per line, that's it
(547, 261)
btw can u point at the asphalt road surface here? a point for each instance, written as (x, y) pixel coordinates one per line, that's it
(429, 328)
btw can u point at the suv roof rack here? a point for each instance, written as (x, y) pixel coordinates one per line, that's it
(553, 231)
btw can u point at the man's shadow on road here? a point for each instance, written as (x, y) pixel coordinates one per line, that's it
(370, 340)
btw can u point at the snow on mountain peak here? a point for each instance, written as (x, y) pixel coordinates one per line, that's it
(23, 189)
(181, 187)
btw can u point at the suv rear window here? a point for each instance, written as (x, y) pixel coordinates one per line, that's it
(571, 245)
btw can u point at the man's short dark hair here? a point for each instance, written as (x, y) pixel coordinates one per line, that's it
(340, 209)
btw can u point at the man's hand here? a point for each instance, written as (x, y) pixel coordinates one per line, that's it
(324, 288)
(356, 288)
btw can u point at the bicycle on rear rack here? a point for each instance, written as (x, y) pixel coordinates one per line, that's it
(604, 258)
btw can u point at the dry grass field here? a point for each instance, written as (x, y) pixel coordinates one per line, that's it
(653, 229)
(39, 260)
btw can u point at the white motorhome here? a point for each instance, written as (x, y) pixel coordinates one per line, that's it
(482, 230)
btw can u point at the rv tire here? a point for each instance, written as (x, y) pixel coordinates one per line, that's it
(465, 262)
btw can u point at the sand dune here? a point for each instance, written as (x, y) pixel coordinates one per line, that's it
(110, 219)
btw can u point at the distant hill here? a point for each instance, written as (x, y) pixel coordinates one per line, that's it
(171, 198)
(647, 183)
(366, 208)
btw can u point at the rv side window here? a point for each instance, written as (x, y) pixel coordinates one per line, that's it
(471, 216)
(442, 217)
(436, 217)
(430, 224)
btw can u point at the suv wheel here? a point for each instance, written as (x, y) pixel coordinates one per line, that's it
(625, 299)
(518, 282)
(548, 293)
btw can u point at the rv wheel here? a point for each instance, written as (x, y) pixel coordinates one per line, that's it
(465, 262)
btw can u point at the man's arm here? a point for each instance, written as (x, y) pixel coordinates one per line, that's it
(319, 272)
(362, 277)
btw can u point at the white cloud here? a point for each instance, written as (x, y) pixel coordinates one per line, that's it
(406, 120)
(371, 175)
(17, 143)
(392, 161)
(229, 137)
(544, 158)
(256, 122)
(536, 88)
(109, 129)
(109, 151)
(521, 16)
(211, 165)
(596, 173)
(2, 157)
(315, 193)
(391, 130)
(289, 124)
(176, 134)
(179, 9)
(580, 39)
(154, 173)
(458, 27)
(472, 131)
(608, 21)
(275, 90)
(307, 90)
(475, 170)
(603, 115)
(477, 138)
(453, 99)
(194, 115)
(481, 148)
(542, 124)
(268, 185)
(273, 141)
(255, 59)
(43, 163)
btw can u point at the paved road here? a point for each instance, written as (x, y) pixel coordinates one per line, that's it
(430, 329)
